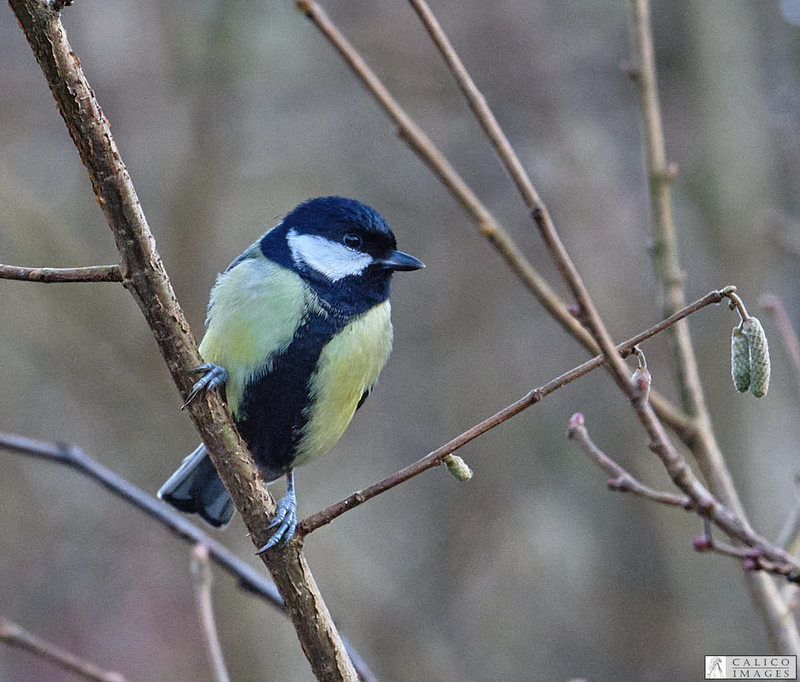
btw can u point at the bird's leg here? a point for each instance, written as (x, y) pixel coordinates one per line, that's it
(285, 517)
(213, 377)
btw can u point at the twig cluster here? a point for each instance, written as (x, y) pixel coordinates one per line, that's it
(694, 427)
(143, 275)
(753, 557)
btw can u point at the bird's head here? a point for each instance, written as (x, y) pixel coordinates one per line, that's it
(342, 247)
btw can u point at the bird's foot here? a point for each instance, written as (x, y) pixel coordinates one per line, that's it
(285, 519)
(214, 376)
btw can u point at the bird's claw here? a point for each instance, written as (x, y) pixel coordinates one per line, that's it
(286, 520)
(214, 377)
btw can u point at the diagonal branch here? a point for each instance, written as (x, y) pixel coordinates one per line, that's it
(436, 457)
(16, 636)
(541, 216)
(539, 212)
(146, 279)
(93, 273)
(477, 102)
(75, 458)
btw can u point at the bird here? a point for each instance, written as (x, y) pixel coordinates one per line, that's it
(298, 328)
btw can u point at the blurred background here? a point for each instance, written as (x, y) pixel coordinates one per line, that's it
(227, 114)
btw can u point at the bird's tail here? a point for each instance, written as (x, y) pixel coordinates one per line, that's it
(197, 488)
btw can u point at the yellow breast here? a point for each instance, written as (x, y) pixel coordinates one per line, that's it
(255, 309)
(348, 366)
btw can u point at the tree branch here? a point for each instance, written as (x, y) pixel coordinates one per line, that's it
(75, 458)
(477, 102)
(94, 273)
(16, 636)
(539, 212)
(751, 558)
(144, 276)
(436, 457)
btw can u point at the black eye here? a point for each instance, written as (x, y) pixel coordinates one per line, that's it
(352, 240)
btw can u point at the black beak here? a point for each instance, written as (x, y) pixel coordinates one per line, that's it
(397, 260)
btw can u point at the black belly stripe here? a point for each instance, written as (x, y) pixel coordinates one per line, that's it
(271, 413)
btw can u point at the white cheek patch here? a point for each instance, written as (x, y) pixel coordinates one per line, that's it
(329, 258)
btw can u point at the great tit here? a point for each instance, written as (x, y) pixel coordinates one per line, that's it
(298, 329)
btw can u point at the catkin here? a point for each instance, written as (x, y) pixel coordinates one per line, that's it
(759, 356)
(740, 360)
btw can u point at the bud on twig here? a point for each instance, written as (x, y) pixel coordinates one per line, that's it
(641, 377)
(702, 543)
(458, 467)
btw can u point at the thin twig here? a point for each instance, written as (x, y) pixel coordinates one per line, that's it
(477, 102)
(759, 555)
(751, 557)
(247, 577)
(436, 457)
(782, 631)
(789, 539)
(93, 273)
(773, 305)
(539, 212)
(665, 247)
(488, 122)
(621, 479)
(201, 579)
(16, 636)
(704, 501)
(704, 446)
(146, 279)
